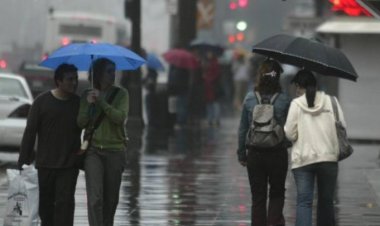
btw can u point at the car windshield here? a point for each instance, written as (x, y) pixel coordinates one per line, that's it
(12, 87)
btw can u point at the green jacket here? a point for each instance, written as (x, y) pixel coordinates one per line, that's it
(111, 133)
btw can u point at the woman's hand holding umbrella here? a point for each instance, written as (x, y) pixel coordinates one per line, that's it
(92, 96)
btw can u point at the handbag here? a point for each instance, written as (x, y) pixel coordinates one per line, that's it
(22, 199)
(89, 132)
(345, 149)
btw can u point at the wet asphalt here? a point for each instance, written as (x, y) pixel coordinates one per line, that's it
(191, 177)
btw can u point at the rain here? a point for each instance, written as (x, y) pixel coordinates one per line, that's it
(181, 162)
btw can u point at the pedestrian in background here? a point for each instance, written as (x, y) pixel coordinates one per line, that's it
(213, 88)
(178, 88)
(265, 166)
(105, 158)
(311, 127)
(241, 80)
(196, 103)
(52, 120)
(150, 83)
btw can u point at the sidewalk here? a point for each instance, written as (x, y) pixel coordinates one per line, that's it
(193, 178)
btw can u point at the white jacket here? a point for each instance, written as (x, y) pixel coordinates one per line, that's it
(312, 130)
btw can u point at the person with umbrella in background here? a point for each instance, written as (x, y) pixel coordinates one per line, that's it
(213, 90)
(265, 165)
(150, 81)
(182, 64)
(241, 78)
(311, 127)
(52, 120)
(104, 109)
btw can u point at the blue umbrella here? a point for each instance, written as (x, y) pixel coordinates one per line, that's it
(83, 54)
(153, 62)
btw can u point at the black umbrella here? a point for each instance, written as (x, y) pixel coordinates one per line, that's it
(308, 54)
(204, 46)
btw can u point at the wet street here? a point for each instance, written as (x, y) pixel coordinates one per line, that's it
(192, 177)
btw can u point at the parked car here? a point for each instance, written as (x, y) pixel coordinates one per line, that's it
(15, 102)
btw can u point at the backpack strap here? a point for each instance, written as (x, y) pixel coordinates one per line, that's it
(272, 99)
(258, 97)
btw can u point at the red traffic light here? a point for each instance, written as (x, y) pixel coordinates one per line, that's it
(3, 64)
(235, 4)
(231, 39)
(243, 3)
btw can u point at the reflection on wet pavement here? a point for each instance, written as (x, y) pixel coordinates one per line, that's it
(191, 177)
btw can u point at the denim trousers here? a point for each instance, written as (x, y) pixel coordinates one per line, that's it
(267, 168)
(325, 174)
(213, 111)
(182, 109)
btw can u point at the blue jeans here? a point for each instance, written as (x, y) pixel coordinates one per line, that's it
(182, 109)
(326, 175)
(213, 112)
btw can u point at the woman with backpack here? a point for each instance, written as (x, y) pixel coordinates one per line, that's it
(267, 163)
(311, 127)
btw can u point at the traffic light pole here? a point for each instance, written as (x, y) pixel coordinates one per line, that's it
(184, 24)
(132, 79)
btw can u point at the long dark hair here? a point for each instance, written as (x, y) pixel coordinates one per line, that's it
(268, 77)
(98, 67)
(306, 80)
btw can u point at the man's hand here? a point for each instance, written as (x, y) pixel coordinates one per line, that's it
(19, 165)
(243, 163)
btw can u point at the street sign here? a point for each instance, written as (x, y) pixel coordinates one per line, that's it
(205, 14)
(172, 6)
(373, 6)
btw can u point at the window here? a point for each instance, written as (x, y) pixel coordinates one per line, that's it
(12, 87)
(80, 30)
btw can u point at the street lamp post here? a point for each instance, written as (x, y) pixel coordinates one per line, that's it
(132, 79)
(184, 23)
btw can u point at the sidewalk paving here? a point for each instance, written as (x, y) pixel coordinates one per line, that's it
(193, 178)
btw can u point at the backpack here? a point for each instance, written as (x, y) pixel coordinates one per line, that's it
(264, 131)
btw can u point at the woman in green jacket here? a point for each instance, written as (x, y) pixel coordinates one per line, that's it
(105, 156)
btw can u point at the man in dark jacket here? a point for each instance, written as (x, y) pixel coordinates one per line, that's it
(52, 120)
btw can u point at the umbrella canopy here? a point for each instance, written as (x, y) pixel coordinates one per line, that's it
(181, 58)
(82, 55)
(153, 62)
(206, 46)
(308, 54)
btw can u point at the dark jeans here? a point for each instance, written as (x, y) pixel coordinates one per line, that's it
(326, 175)
(57, 201)
(267, 167)
(103, 171)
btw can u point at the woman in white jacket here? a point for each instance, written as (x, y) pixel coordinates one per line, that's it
(310, 125)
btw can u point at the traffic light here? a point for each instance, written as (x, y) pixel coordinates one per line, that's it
(3, 64)
(238, 37)
(235, 4)
(243, 3)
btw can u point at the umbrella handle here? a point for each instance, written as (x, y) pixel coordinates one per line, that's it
(92, 72)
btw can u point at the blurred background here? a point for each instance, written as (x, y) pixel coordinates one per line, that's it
(30, 30)
(182, 168)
